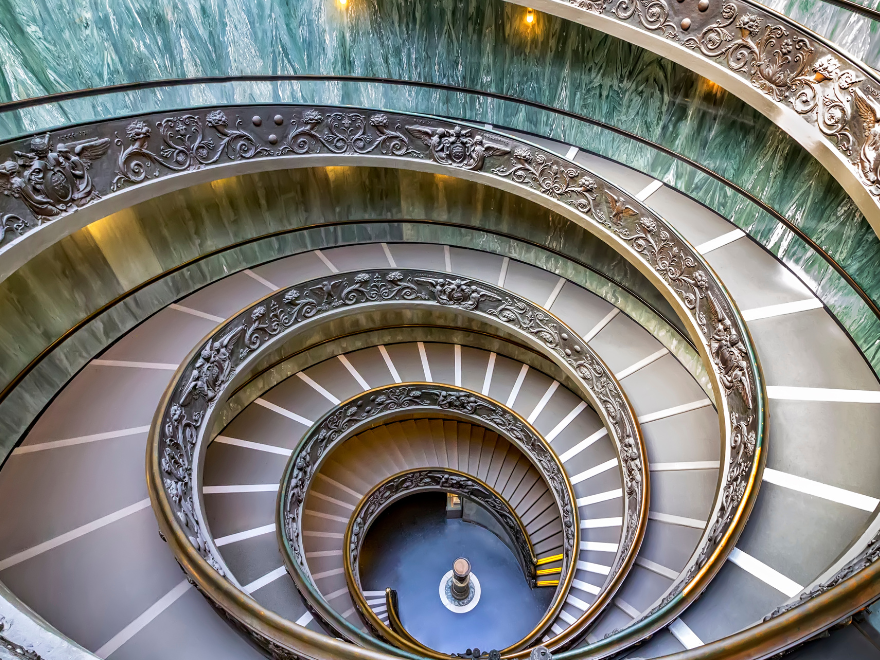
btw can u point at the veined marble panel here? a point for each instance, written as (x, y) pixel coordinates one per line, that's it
(481, 44)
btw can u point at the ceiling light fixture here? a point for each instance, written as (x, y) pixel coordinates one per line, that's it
(530, 16)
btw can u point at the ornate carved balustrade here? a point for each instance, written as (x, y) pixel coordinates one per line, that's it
(825, 99)
(209, 376)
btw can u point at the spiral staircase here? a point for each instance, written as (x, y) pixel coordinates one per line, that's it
(622, 311)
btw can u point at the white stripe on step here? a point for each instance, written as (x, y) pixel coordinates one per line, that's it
(323, 257)
(555, 293)
(600, 497)
(258, 446)
(780, 310)
(388, 256)
(817, 489)
(240, 488)
(320, 390)
(626, 607)
(141, 622)
(423, 354)
(262, 280)
(559, 428)
(135, 365)
(268, 578)
(595, 546)
(518, 384)
(821, 394)
(502, 276)
(583, 444)
(543, 402)
(677, 410)
(720, 241)
(601, 324)
(764, 573)
(585, 586)
(688, 465)
(354, 372)
(649, 190)
(487, 381)
(83, 439)
(684, 635)
(656, 568)
(389, 364)
(247, 534)
(283, 411)
(39, 549)
(681, 521)
(196, 312)
(595, 523)
(641, 364)
(593, 471)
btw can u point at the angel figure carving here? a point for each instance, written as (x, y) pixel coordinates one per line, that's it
(212, 369)
(869, 157)
(52, 181)
(457, 146)
(729, 354)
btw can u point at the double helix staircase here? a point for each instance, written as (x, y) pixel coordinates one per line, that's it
(82, 538)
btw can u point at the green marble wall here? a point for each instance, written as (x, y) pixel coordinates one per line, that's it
(170, 235)
(484, 44)
(855, 33)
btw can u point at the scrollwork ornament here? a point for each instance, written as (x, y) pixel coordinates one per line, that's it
(552, 177)
(184, 146)
(652, 14)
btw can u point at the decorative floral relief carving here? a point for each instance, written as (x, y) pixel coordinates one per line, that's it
(184, 146)
(787, 65)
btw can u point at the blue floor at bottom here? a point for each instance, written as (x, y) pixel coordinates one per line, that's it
(412, 545)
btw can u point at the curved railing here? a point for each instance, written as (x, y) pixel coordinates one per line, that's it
(328, 135)
(825, 99)
(444, 480)
(382, 405)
